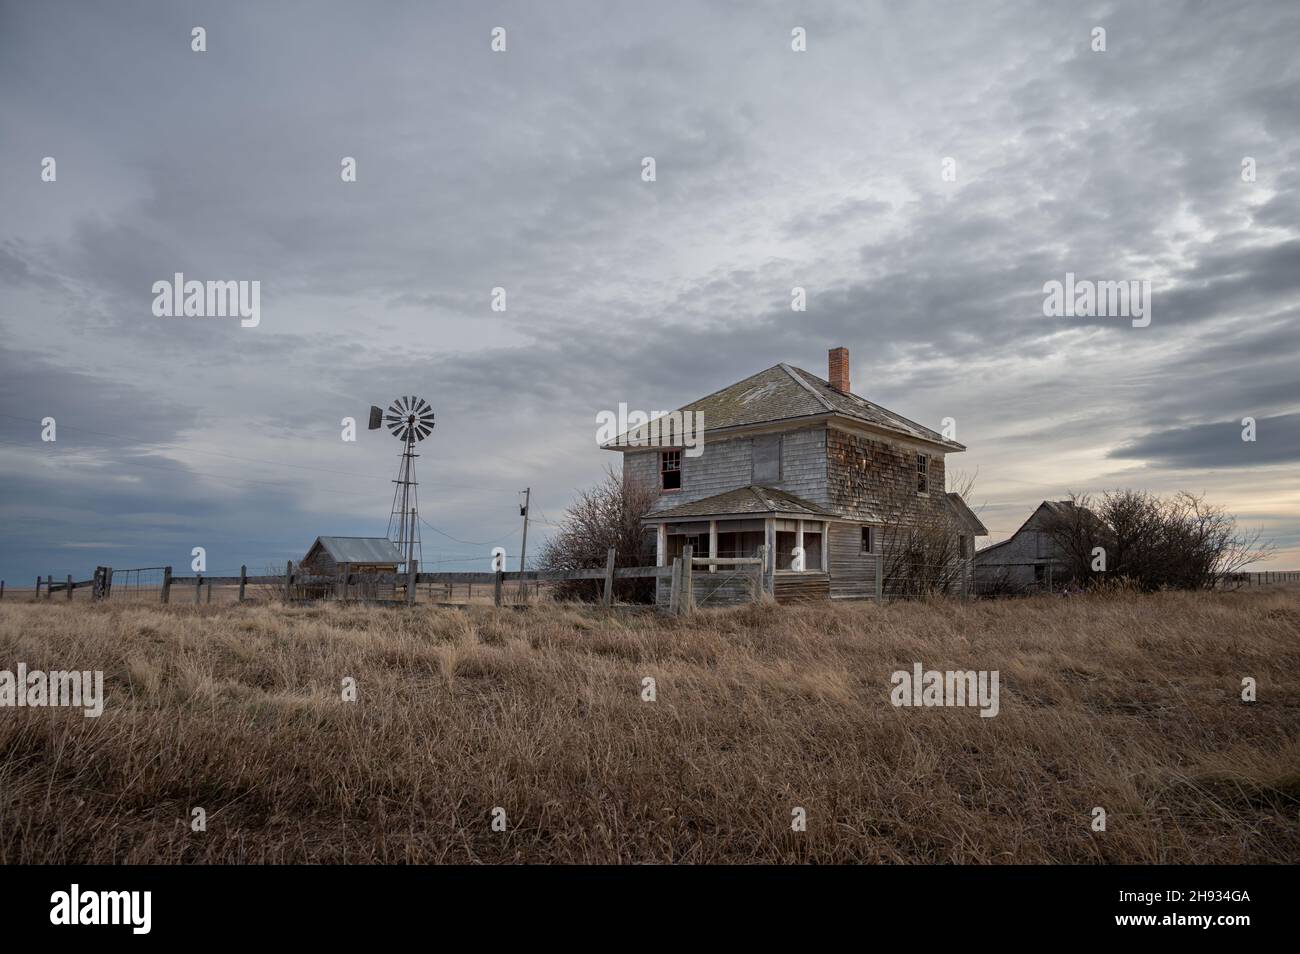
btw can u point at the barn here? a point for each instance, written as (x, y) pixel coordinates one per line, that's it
(366, 556)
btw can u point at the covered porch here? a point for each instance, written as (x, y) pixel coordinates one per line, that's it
(791, 534)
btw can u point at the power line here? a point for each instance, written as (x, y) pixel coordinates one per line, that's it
(248, 460)
(468, 543)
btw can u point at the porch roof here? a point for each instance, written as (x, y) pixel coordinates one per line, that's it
(744, 501)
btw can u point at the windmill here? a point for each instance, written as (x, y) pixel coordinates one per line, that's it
(409, 419)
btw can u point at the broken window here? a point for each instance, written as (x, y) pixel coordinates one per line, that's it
(670, 470)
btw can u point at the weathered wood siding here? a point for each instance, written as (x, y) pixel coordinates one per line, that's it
(1013, 562)
(852, 572)
(801, 587)
(729, 464)
(866, 476)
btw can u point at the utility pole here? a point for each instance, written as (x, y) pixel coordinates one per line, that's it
(523, 546)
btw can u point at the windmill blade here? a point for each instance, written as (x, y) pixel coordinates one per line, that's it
(376, 418)
(409, 418)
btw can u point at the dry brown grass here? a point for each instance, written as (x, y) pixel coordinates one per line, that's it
(1130, 703)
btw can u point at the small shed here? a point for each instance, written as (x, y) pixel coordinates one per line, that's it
(327, 555)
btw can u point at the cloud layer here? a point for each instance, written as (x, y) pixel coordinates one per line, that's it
(522, 170)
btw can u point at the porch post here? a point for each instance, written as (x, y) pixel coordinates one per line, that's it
(661, 545)
(798, 540)
(713, 545)
(826, 547)
(769, 567)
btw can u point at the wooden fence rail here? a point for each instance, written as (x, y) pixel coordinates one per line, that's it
(676, 582)
(675, 579)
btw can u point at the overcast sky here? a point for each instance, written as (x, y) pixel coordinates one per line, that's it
(523, 169)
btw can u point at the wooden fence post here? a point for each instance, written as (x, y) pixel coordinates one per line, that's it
(49, 586)
(411, 579)
(2, 589)
(243, 580)
(209, 599)
(343, 590)
(675, 588)
(38, 589)
(166, 595)
(69, 586)
(687, 600)
(198, 588)
(496, 588)
(607, 598)
(288, 579)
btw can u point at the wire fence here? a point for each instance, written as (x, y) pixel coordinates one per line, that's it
(136, 584)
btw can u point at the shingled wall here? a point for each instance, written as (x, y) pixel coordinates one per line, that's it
(871, 479)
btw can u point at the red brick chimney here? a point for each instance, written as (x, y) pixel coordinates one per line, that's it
(838, 374)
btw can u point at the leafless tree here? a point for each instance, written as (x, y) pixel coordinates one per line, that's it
(920, 547)
(607, 515)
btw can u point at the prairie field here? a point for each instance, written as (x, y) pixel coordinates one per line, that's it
(536, 717)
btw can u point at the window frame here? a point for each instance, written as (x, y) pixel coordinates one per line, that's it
(923, 474)
(869, 538)
(664, 469)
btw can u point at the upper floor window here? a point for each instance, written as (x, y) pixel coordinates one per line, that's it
(922, 473)
(868, 539)
(766, 459)
(670, 470)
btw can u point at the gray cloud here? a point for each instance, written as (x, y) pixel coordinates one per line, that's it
(521, 170)
(1277, 441)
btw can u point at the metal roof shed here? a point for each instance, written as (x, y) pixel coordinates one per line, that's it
(327, 554)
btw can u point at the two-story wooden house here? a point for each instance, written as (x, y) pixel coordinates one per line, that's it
(788, 461)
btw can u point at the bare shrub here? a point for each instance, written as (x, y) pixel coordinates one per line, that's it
(920, 548)
(1179, 542)
(607, 515)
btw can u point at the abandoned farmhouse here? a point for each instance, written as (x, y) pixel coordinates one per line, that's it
(791, 463)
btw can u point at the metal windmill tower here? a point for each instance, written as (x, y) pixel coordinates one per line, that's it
(409, 419)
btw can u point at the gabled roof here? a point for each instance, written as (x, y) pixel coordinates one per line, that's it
(1058, 508)
(745, 500)
(359, 550)
(785, 393)
(964, 515)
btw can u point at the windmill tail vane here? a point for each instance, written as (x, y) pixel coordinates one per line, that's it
(409, 419)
